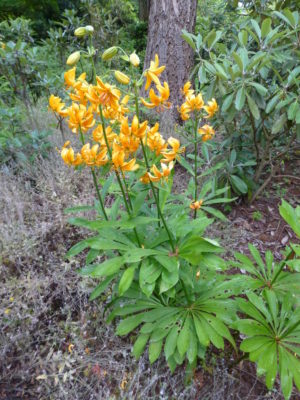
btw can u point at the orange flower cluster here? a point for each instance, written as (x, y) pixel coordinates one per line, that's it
(159, 101)
(195, 102)
(119, 141)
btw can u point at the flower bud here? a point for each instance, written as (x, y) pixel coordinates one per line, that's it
(80, 32)
(89, 29)
(122, 78)
(134, 59)
(109, 53)
(73, 58)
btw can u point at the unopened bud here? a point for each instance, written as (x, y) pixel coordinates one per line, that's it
(73, 58)
(89, 29)
(109, 53)
(134, 59)
(122, 78)
(80, 32)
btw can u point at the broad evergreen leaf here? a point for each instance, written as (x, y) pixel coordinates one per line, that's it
(272, 332)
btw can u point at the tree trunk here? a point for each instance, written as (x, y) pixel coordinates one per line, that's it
(144, 6)
(167, 18)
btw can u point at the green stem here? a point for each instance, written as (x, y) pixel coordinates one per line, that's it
(117, 173)
(93, 63)
(98, 194)
(95, 181)
(126, 190)
(148, 170)
(186, 292)
(282, 265)
(196, 161)
(157, 209)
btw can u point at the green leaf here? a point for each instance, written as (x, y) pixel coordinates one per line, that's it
(135, 255)
(155, 350)
(240, 98)
(286, 16)
(201, 333)
(291, 216)
(259, 88)
(238, 184)
(266, 27)
(238, 60)
(99, 243)
(77, 248)
(139, 201)
(227, 102)
(214, 212)
(254, 343)
(253, 107)
(171, 342)
(126, 279)
(129, 324)
(243, 37)
(107, 268)
(194, 246)
(140, 345)
(193, 347)
(168, 280)
(101, 288)
(256, 27)
(272, 103)
(170, 263)
(184, 337)
(286, 377)
(219, 327)
(279, 124)
(188, 38)
(213, 335)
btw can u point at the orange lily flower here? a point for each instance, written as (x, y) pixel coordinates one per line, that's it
(145, 179)
(92, 157)
(117, 114)
(211, 108)
(136, 129)
(196, 205)
(80, 118)
(108, 95)
(192, 103)
(70, 78)
(67, 154)
(161, 100)
(170, 155)
(154, 140)
(98, 135)
(166, 170)
(129, 143)
(57, 105)
(118, 159)
(186, 90)
(207, 132)
(153, 72)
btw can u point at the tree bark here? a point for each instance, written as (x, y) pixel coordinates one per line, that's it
(167, 18)
(144, 6)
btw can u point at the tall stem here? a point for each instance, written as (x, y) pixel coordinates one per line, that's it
(95, 182)
(126, 190)
(92, 59)
(117, 173)
(196, 161)
(148, 170)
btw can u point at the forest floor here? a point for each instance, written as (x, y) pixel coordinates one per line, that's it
(54, 343)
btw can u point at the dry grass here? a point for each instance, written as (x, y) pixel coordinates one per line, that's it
(54, 342)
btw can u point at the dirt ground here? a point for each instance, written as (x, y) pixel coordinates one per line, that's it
(54, 343)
